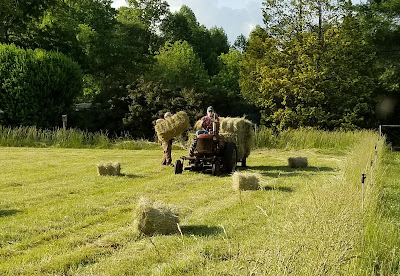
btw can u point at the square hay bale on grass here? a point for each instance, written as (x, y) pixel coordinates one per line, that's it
(246, 181)
(109, 168)
(156, 218)
(298, 162)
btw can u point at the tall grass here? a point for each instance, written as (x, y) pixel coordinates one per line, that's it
(306, 138)
(381, 248)
(25, 136)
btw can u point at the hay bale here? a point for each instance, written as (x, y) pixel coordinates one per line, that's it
(298, 162)
(246, 181)
(172, 127)
(240, 131)
(109, 168)
(156, 218)
(198, 125)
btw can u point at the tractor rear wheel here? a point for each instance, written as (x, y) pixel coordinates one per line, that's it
(178, 167)
(230, 155)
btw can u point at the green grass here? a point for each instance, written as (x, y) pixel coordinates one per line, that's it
(58, 217)
(381, 254)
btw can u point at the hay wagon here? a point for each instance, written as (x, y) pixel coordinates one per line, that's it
(211, 154)
(239, 131)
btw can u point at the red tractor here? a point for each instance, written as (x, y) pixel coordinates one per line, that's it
(211, 154)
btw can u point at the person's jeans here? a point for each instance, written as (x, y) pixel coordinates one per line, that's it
(201, 132)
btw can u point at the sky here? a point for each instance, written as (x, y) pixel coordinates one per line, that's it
(234, 16)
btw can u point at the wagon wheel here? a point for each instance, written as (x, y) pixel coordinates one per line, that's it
(178, 167)
(230, 155)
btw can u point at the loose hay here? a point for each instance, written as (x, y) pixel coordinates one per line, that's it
(156, 218)
(298, 162)
(173, 126)
(246, 181)
(110, 168)
(240, 131)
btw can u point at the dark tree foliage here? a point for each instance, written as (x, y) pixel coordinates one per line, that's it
(381, 20)
(151, 99)
(16, 18)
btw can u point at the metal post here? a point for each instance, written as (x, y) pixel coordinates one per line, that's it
(380, 131)
(64, 120)
(255, 132)
(372, 164)
(363, 177)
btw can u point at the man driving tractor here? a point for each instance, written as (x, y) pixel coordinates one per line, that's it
(210, 123)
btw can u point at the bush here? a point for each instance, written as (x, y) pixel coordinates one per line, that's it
(37, 86)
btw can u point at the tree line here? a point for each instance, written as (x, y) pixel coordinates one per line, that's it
(318, 63)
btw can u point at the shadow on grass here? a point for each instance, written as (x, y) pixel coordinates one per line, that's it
(281, 171)
(201, 230)
(6, 213)
(281, 189)
(129, 175)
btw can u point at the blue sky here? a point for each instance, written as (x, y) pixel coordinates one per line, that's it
(234, 16)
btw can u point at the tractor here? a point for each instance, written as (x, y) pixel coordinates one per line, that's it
(211, 154)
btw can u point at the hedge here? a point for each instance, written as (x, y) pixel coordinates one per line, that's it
(36, 86)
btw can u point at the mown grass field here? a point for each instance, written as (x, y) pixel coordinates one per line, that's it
(58, 217)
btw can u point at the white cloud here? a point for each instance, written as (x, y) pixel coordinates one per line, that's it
(118, 3)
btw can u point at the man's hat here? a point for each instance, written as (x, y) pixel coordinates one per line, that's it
(210, 108)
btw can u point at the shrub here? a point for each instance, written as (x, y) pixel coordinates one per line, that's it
(37, 86)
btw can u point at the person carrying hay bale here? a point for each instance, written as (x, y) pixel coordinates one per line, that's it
(156, 218)
(166, 145)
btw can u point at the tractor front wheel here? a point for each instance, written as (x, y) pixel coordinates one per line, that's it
(178, 167)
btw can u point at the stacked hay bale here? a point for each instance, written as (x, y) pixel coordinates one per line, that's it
(109, 168)
(246, 181)
(298, 162)
(240, 131)
(156, 218)
(172, 127)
